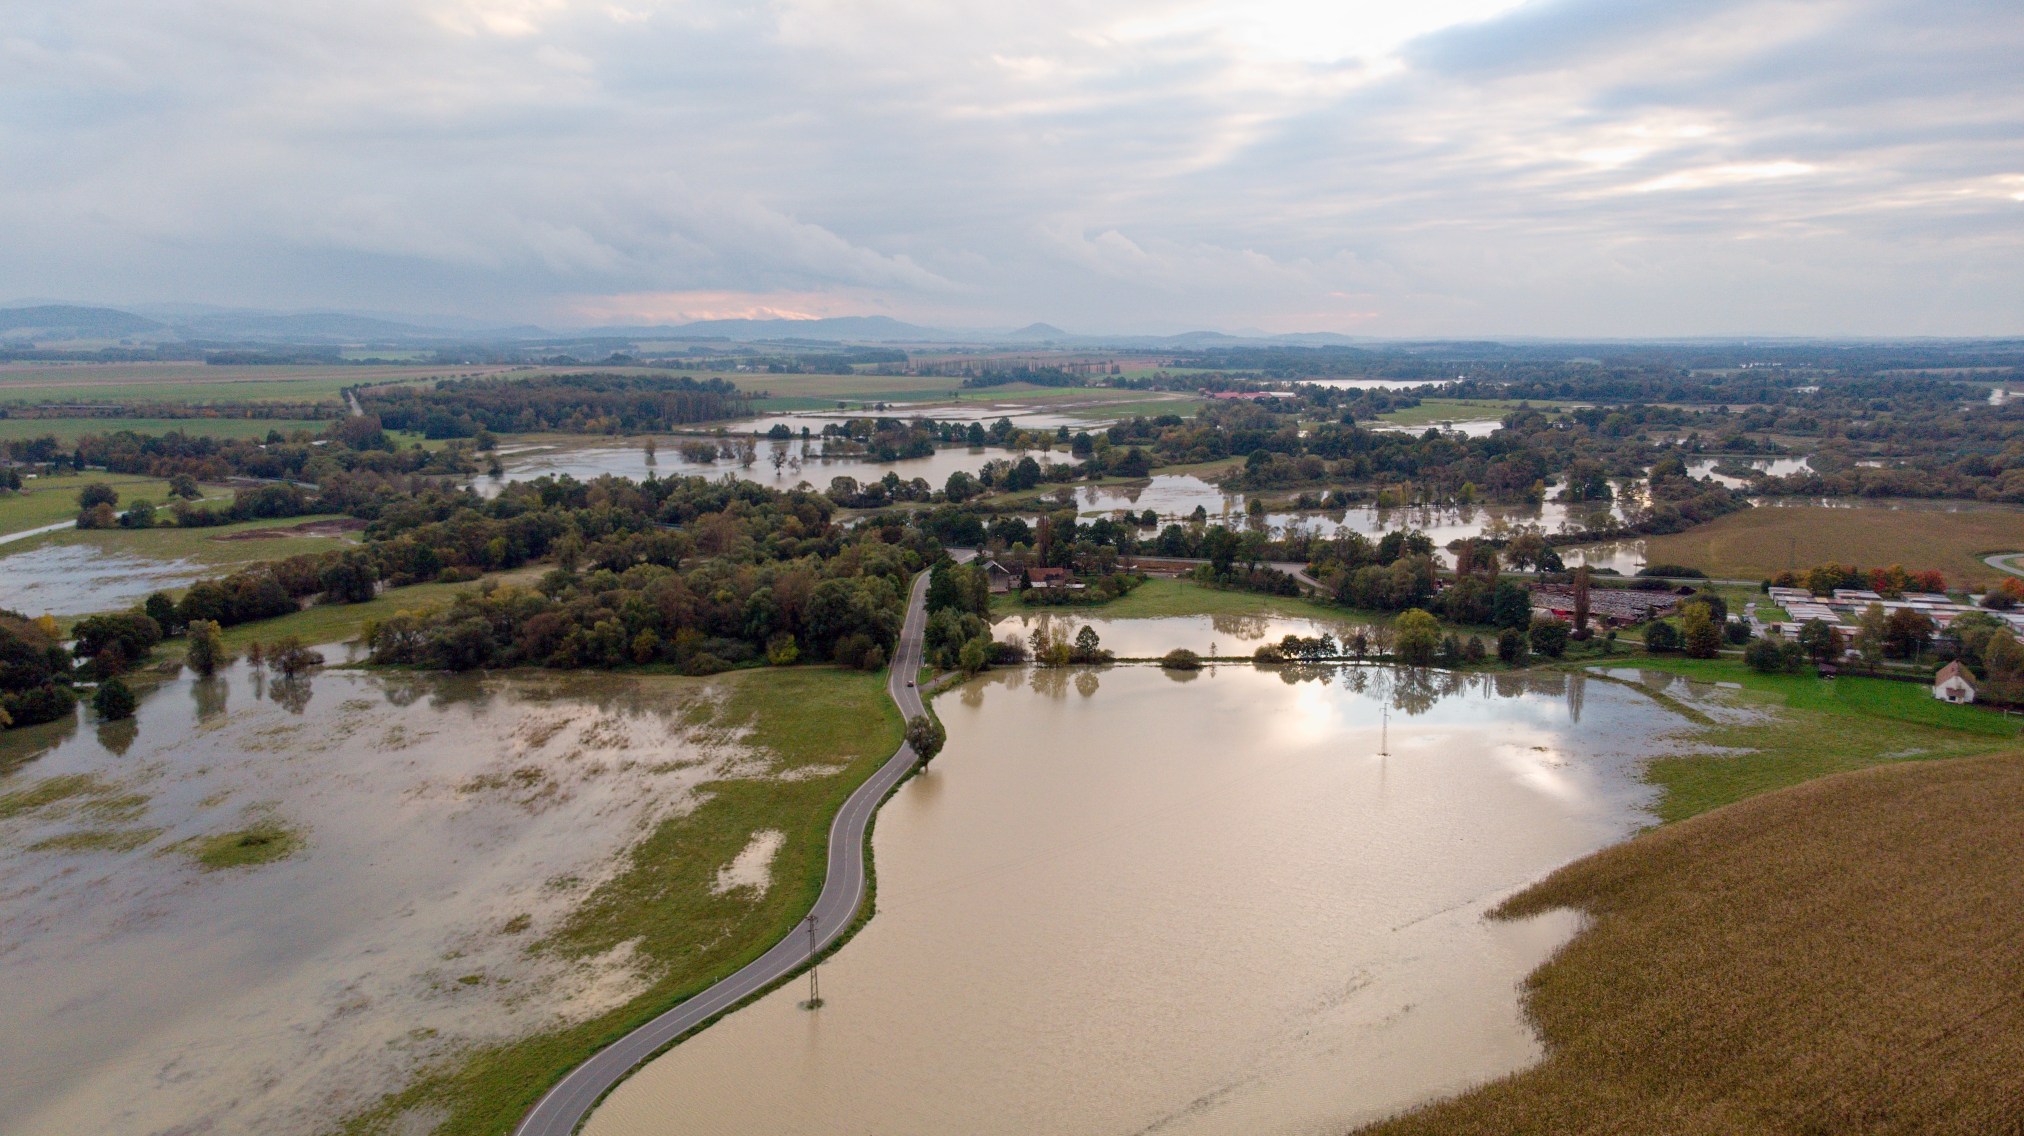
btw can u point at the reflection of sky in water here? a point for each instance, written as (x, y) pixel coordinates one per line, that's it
(73, 579)
(145, 995)
(1776, 467)
(1256, 849)
(802, 461)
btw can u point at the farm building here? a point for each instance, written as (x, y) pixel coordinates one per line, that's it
(1952, 684)
(1613, 607)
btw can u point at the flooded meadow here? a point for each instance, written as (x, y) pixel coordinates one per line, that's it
(1242, 900)
(264, 904)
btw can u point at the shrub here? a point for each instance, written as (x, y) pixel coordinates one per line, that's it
(1511, 647)
(1549, 637)
(1181, 659)
(1661, 637)
(1675, 571)
(114, 700)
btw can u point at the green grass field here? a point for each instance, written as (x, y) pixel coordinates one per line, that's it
(1807, 728)
(1436, 410)
(68, 430)
(1158, 598)
(662, 902)
(47, 500)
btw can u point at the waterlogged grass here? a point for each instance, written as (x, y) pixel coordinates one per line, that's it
(202, 545)
(1433, 411)
(1911, 702)
(343, 623)
(814, 719)
(1839, 957)
(262, 842)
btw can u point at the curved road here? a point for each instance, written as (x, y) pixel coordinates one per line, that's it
(565, 1106)
(2001, 562)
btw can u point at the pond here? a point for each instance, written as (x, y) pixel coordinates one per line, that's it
(76, 579)
(433, 827)
(1242, 900)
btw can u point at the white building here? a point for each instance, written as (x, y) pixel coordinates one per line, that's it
(1952, 684)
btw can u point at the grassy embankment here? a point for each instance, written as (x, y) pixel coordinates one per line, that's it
(805, 718)
(1759, 543)
(1843, 956)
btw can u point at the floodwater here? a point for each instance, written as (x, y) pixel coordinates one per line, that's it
(75, 579)
(1216, 635)
(1174, 496)
(447, 824)
(1776, 467)
(799, 461)
(1126, 901)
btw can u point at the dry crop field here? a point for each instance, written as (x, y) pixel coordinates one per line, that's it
(1762, 542)
(1845, 956)
(197, 382)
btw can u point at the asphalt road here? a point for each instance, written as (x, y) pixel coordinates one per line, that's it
(2002, 562)
(569, 1102)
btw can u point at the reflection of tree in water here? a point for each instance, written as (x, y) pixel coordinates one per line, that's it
(209, 694)
(118, 737)
(1240, 626)
(291, 694)
(1086, 682)
(1049, 681)
(1180, 676)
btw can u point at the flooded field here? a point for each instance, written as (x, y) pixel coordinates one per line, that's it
(798, 461)
(1237, 901)
(72, 579)
(265, 904)
(1217, 635)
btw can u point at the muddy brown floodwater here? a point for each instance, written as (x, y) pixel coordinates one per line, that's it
(1124, 901)
(433, 829)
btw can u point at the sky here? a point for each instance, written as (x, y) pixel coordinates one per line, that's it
(1454, 168)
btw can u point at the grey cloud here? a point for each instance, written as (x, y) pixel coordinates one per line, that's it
(1628, 167)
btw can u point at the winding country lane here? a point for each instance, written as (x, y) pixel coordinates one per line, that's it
(843, 888)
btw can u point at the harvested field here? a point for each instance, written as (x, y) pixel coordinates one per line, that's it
(1762, 542)
(1845, 956)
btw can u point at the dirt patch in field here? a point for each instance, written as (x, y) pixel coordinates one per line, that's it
(336, 527)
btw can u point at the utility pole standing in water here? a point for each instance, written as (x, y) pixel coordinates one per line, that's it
(814, 978)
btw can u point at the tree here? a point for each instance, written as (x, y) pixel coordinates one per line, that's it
(1871, 631)
(1699, 637)
(1511, 647)
(1417, 637)
(289, 657)
(1819, 639)
(926, 736)
(97, 493)
(1661, 637)
(114, 700)
(131, 635)
(2003, 662)
(1766, 655)
(1581, 598)
(1086, 641)
(1549, 637)
(1907, 633)
(1181, 659)
(206, 652)
(160, 608)
(1511, 605)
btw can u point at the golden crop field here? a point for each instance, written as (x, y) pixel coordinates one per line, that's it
(1761, 542)
(1845, 956)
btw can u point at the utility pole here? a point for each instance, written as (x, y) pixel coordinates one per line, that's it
(1384, 732)
(814, 976)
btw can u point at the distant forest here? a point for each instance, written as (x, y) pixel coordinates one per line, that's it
(584, 403)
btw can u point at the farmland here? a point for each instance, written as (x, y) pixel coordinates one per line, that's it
(1877, 908)
(1758, 543)
(68, 430)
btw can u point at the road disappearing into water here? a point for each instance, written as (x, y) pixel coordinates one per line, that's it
(564, 1107)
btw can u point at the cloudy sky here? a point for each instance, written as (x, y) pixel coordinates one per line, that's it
(1440, 167)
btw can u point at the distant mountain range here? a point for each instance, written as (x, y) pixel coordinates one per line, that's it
(55, 323)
